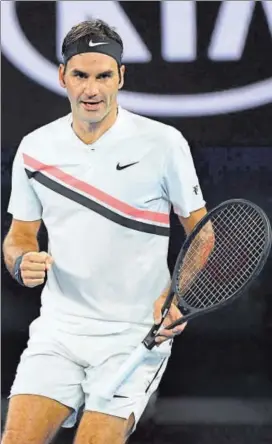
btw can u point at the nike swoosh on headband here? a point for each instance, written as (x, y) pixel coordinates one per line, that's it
(91, 43)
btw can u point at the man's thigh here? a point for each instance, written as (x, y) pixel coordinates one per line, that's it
(100, 428)
(33, 419)
(47, 370)
(118, 417)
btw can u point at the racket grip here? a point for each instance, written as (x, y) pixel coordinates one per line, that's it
(126, 369)
(149, 340)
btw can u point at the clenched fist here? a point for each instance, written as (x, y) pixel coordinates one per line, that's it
(34, 266)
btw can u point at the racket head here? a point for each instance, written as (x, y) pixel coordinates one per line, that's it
(227, 226)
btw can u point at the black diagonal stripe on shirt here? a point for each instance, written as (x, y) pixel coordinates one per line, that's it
(96, 207)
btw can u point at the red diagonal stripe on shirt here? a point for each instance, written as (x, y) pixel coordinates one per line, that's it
(95, 192)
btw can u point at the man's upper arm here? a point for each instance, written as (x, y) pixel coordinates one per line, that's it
(180, 178)
(24, 203)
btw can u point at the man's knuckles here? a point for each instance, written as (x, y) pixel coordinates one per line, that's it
(33, 274)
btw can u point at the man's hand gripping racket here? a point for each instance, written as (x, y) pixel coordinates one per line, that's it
(218, 261)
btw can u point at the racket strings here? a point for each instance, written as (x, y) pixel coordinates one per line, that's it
(222, 257)
(224, 275)
(235, 283)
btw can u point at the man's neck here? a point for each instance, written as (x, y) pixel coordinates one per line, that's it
(90, 133)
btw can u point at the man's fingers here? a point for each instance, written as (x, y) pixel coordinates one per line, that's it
(157, 313)
(173, 315)
(48, 265)
(157, 319)
(39, 257)
(34, 257)
(37, 261)
(165, 334)
(32, 266)
(33, 282)
(31, 274)
(49, 261)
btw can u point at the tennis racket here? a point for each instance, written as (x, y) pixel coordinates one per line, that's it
(218, 261)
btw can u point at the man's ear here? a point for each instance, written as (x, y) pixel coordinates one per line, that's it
(122, 76)
(62, 76)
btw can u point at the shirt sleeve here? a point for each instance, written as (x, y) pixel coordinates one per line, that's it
(181, 183)
(24, 203)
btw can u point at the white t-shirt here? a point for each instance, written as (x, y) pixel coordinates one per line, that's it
(106, 209)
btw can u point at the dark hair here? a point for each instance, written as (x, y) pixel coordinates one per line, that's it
(89, 29)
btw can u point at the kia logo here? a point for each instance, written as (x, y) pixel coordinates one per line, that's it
(227, 42)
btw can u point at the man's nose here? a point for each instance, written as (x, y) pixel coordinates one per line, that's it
(91, 88)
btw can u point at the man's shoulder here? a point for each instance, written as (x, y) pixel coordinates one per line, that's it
(47, 131)
(151, 126)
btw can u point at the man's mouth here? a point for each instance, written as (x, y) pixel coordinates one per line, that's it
(91, 105)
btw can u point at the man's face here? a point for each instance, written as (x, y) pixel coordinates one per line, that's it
(92, 83)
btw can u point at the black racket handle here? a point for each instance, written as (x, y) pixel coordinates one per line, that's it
(149, 340)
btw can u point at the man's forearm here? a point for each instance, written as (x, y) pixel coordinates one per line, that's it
(16, 245)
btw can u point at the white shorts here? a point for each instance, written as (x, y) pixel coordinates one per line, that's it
(71, 368)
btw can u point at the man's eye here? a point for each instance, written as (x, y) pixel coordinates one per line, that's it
(105, 75)
(80, 75)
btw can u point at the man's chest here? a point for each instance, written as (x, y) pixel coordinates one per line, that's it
(131, 175)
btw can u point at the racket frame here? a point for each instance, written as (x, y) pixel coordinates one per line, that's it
(190, 312)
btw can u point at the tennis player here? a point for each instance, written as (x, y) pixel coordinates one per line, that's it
(103, 181)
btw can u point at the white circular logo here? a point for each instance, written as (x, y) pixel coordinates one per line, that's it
(25, 57)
